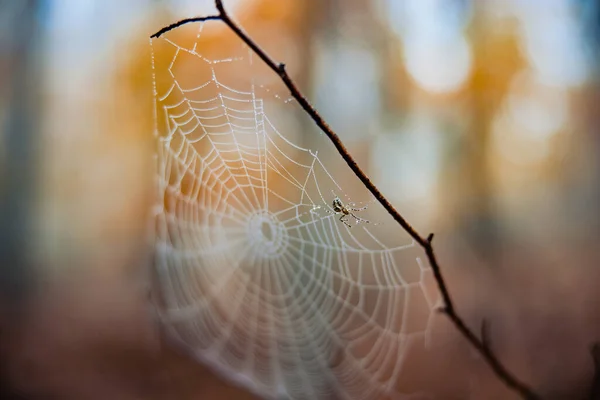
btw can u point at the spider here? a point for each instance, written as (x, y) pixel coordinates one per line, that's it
(339, 207)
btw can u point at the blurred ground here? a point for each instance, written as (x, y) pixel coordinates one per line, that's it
(91, 336)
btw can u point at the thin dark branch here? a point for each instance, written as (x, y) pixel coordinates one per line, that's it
(183, 22)
(425, 242)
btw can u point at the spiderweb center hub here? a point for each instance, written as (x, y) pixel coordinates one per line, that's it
(268, 236)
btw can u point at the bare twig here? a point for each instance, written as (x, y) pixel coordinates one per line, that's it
(186, 21)
(425, 242)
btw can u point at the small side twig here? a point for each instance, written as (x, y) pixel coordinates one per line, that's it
(485, 334)
(425, 242)
(595, 388)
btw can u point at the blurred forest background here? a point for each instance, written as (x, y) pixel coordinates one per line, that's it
(477, 119)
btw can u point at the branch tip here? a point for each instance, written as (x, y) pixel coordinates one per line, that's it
(183, 22)
(430, 238)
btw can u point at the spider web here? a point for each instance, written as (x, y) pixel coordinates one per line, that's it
(255, 274)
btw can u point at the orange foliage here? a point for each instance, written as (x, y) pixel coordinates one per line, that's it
(267, 20)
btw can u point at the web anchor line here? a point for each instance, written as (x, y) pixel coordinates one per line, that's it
(480, 344)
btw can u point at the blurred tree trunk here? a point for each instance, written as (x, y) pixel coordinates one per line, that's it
(480, 224)
(590, 19)
(305, 42)
(20, 97)
(19, 115)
